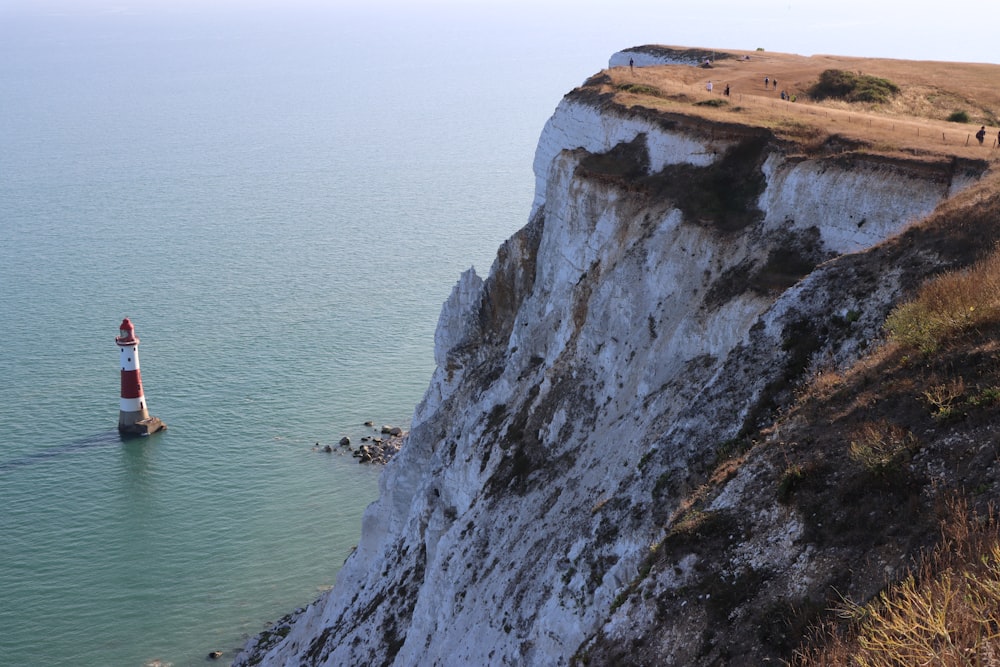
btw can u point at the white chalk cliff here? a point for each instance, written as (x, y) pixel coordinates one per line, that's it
(668, 287)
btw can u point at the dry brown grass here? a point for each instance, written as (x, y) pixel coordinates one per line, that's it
(950, 304)
(944, 398)
(879, 445)
(913, 123)
(947, 613)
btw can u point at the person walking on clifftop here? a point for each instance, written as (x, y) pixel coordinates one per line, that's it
(981, 134)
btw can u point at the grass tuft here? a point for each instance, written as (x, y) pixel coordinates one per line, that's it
(880, 446)
(949, 304)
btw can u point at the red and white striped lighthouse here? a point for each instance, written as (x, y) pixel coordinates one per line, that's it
(133, 417)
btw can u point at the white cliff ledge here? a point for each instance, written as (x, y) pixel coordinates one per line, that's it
(663, 299)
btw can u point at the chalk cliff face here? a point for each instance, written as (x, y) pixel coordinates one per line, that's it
(673, 280)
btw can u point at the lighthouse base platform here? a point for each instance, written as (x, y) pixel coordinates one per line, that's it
(143, 427)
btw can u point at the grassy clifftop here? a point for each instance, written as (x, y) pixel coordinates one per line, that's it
(893, 107)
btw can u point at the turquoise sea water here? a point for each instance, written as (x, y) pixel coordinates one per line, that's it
(280, 203)
(280, 197)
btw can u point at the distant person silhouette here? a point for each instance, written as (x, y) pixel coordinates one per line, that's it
(981, 134)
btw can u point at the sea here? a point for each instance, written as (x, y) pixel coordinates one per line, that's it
(280, 198)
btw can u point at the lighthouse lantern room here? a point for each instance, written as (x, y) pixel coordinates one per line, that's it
(133, 417)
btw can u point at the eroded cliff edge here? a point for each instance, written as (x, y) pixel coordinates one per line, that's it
(676, 277)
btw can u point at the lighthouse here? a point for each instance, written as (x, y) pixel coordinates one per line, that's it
(133, 417)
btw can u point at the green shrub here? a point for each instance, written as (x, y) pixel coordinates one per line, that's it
(640, 89)
(959, 117)
(714, 102)
(985, 397)
(851, 87)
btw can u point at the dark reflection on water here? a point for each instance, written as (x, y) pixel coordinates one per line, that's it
(105, 439)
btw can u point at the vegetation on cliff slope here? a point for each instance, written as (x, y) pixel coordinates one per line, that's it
(945, 613)
(942, 358)
(951, 304)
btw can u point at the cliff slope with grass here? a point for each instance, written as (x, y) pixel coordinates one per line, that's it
(668, 428)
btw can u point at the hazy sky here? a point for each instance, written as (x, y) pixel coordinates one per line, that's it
(957, 30)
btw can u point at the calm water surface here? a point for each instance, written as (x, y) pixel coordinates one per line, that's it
(280, 208)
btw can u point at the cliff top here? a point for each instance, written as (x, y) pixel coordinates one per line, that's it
(912, 122)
